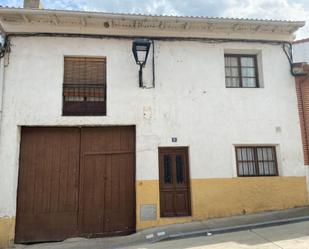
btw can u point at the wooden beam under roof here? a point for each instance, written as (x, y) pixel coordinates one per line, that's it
(258, 28)
(236, 27)
(26, 18)
(83, 21)
(55, 19)
(1, 26)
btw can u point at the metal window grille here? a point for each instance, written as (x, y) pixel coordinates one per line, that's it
(256, 161)
(167, 169)
(241, 71)
(84, 86)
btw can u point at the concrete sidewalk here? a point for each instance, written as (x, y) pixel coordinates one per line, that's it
(192, 229)
(290, 236)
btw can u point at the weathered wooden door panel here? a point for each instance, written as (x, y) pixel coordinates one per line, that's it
(75, 182)
(174, 182)
(167, 203)
(119, 198)
(181, 203)
(48, 184)
(91, 195)
(111, 152)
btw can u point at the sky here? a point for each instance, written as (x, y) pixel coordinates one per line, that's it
(294, 10)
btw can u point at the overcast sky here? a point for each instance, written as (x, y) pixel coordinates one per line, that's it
(263, 9)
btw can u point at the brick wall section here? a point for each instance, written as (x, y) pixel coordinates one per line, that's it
(302, 90)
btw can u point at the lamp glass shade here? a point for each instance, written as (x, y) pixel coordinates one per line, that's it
(141, 56)
(140, 49)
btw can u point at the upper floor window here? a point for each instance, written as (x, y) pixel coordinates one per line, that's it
(84, 86)
(256, 161)
(241, 71)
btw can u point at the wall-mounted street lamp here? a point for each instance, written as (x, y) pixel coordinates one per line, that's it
(140, 49)
(3, 47)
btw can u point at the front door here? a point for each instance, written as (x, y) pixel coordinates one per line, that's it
(174, 182)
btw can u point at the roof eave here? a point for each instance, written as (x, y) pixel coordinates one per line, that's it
(145, 17)
(205, 24)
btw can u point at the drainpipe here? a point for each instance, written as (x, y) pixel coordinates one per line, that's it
(3, 43)
(2, 66)
(307, 180)
(1, 87)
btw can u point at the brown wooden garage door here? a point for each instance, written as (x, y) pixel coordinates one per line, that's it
(75, 182)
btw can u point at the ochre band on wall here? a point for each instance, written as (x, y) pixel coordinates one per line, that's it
(212, 198)
(7, 227)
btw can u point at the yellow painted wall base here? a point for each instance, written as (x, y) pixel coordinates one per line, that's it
(210, 198)
(7, 226)
(225, 197)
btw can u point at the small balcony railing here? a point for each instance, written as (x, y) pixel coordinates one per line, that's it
(84, 99)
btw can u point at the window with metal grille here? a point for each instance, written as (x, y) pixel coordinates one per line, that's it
(167, 169)
(256, 161)
(84, 86)
(241, 71)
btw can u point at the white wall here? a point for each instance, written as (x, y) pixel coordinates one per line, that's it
(190, 102)
(301, 52)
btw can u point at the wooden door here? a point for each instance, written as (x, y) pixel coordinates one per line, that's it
(75, 182)
(47, 199)
(107, 181)
(174, 182)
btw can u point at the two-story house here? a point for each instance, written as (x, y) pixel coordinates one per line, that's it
(94, 144)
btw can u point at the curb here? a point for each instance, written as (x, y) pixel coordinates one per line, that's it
(210, 231)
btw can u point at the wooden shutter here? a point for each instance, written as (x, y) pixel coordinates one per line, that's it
(84, 86)
(84, 70)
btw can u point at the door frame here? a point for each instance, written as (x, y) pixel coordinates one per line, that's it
(185, 149)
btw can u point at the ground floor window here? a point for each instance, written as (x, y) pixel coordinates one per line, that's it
(256, 161)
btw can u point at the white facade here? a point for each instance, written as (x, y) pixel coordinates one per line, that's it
(189, 101)
(301, 51)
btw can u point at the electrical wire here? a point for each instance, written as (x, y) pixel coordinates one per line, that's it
(159, 38)
(153, 65)
(287, 49)
(286, 46)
